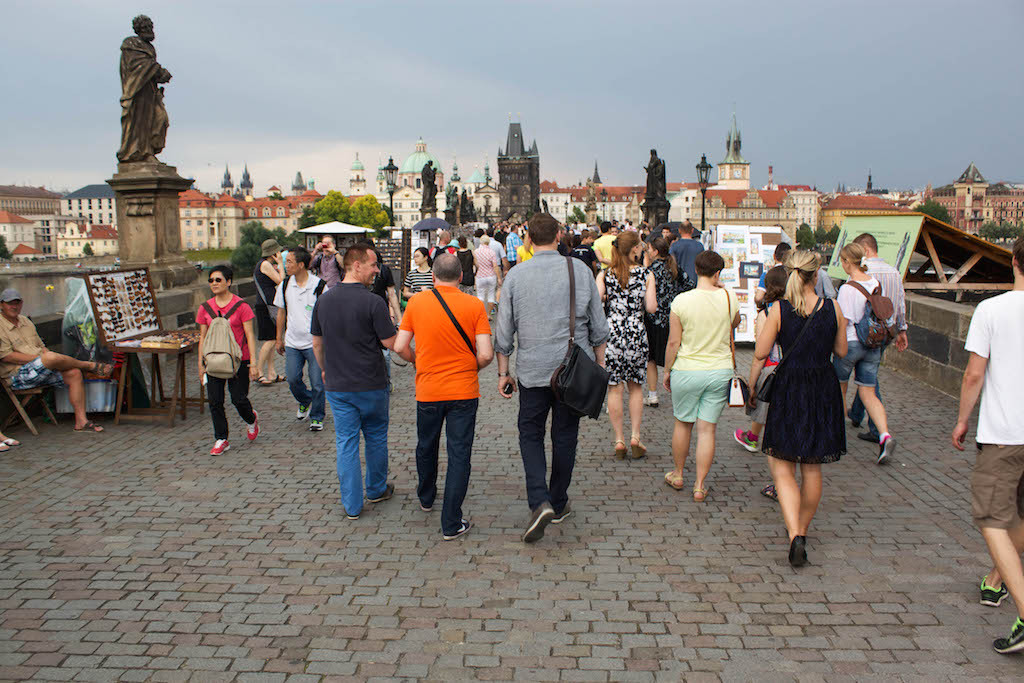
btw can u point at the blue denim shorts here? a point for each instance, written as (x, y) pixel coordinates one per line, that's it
(861, 362)
(34, 374)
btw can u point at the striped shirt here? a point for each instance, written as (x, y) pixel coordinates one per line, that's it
(892, 288)
(417, 281)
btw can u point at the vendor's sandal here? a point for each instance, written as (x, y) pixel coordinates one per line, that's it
(639, 449)
(699, 494)
(674, 481)
(769, 492)
(102, 369)
(89, 426)
(280, 378)
(10, 442)
(620, 450)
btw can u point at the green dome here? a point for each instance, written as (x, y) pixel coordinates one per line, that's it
(357, 165)
(415, 162)
(477, 177)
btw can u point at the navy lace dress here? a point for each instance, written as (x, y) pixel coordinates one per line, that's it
(805, 419)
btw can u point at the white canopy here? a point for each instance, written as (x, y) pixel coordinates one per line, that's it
(335, 228)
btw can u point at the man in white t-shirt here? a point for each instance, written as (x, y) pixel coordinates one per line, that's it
(295, 299)
(995, 370)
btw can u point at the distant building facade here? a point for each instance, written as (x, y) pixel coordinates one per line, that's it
(91, 204)
(836, 207)
(214, 221)
(17, 230)
(972, 201)
(22, 200)
(101, 239)
(518, 175)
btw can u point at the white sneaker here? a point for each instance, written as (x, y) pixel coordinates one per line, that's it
(651, 400)
(302, 412)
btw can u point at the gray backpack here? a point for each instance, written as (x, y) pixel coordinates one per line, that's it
(221, 354)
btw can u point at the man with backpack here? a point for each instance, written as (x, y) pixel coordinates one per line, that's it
(295, 299)
(892, 288)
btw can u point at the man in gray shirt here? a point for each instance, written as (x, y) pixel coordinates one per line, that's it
(534, 308)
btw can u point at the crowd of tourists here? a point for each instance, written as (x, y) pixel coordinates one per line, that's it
(650, 309)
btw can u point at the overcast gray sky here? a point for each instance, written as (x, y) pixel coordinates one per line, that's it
(822, 89)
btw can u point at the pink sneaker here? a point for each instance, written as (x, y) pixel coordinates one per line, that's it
(254, 428)
(219, 447)
(746, 439)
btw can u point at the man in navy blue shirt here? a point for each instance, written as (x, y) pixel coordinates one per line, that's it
(684, 250)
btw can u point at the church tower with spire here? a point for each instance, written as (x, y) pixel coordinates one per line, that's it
(357, 178)
(734, 170)
(597, 176)
(518, 175)
(246, 185)
(227, 186)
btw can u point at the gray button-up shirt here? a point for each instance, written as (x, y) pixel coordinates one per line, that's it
(535, 307)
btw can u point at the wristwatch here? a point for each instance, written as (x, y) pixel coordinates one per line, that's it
(502, 374)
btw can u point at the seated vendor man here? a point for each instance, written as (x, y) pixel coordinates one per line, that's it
(26, 363)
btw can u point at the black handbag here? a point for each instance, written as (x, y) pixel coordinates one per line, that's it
(765, 393)
(579, 382)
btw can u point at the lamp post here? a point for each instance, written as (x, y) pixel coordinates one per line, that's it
(604, 203)
(567, 212)
(703, 172)
(391, 178)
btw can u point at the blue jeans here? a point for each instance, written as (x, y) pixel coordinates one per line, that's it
(366, 411)
(294, 360)
(534, 405)
(861, 362)
(459, 419)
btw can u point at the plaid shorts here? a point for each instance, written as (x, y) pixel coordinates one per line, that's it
(34, 374)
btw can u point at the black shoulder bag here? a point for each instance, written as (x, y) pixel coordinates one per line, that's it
(465, 337)
(765, 393)
(579, 382)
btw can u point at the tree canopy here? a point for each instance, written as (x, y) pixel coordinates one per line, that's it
(367, 212)
(87, 250)
(805, 237)
(935, 210)
(250, 239)
(332, 207)
(994, 232)
(577, 215)
(5, 253)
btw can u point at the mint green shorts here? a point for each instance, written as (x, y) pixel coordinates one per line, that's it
(700, 394)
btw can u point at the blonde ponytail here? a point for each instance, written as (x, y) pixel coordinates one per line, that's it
(802, 266)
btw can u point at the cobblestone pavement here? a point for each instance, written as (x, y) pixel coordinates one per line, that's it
(134, 555)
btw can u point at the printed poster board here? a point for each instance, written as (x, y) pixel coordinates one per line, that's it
(896, 236)
(747, 251)
(123, 303)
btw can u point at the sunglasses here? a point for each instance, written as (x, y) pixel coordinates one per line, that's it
(216, 279)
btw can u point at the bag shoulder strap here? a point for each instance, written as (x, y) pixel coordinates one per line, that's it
(320, 288)
(732, 330)
(234, 308)
(860, 288)
(209, 310)
(572, 302)
(284, 293)
(800, 334)
(465, 337)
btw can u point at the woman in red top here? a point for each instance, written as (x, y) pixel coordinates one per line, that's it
(241, 326)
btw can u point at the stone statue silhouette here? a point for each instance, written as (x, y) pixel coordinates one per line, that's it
(143, 117)
(427, 177)
(655, 177)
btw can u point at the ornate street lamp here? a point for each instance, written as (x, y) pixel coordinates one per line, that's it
(391, 178)
(703, 172)
(604, 203)
(567, 212)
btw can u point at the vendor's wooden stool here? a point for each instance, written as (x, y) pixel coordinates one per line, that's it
(22, 398)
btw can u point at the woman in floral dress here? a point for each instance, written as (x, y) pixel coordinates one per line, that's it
(629, 292)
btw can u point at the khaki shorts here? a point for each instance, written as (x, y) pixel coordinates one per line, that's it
(997, 487)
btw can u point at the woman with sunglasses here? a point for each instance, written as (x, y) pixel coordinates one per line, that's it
(222, 302)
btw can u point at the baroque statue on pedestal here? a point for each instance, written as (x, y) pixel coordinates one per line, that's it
(143, 117)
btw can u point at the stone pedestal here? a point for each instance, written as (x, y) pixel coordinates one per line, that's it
(655, 211)
(428, 212)
(149, 232)
(591, 216)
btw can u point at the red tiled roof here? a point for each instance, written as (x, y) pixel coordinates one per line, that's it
(26, 191)
(274, 188)
(857, 201)
(8, 217)
(103, 232)
(732, 198)
(311, 193)
(795, 188)
(23, 249)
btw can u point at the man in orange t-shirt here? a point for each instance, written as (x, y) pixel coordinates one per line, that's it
(447, 387)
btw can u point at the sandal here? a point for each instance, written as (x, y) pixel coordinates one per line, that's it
(673, 481)
(620, 453)
(4, 447)
(639, 449)
(89, 426)
(10, 442)
(769, 492)
(280, 378)
(699, 494)
(264, 382)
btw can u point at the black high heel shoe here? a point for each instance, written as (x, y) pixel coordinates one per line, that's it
(798, 551)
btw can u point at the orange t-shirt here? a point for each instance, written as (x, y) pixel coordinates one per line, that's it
(445, 368)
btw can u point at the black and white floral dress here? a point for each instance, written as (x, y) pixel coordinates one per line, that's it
(626, 354)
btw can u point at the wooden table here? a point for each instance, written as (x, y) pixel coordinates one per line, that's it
(160, 405)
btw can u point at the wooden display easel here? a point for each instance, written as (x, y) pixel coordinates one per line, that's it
(977, 265)
(160, 406)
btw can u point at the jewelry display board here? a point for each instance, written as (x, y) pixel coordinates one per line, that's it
(123, 303)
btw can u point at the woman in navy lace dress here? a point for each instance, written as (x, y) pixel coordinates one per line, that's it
(805, 418)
